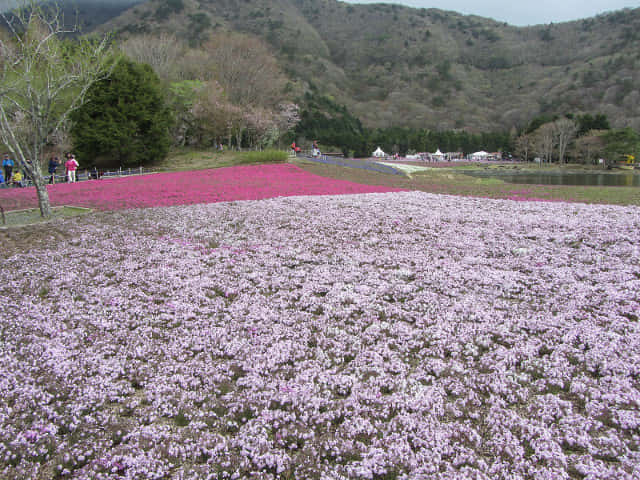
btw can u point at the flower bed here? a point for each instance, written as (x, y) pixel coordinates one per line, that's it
(185, 188)
(403, 335)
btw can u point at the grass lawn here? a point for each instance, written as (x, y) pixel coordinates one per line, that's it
(32, 215)
(185, 159)
(453, 181)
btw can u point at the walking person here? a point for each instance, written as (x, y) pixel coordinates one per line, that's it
(67, 157)
(71, 165)
(7, 165)
(53, 166)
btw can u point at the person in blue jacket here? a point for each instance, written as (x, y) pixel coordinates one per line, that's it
(7, 166)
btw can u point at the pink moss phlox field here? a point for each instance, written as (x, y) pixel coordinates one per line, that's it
(253, 182)
(390, 335)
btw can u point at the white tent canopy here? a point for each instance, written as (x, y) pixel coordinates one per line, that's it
(480, 154)
(438, 153)
(379, 153)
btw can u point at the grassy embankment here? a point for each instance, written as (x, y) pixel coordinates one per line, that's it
(201, 159)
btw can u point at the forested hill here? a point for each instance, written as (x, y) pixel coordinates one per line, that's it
(90, 14)
(85, 15)
(395, 65)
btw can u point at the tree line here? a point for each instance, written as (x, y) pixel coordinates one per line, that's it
(587, 139)
(228, 92)
(332, 125)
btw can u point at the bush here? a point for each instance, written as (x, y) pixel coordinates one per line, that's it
(265, 156)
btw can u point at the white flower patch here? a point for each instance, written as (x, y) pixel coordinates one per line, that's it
(403, 335)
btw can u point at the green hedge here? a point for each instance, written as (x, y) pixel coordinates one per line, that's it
(265, 156)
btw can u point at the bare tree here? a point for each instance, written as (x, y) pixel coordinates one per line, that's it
(164, 52)
(590, 146)
(214, 116)
(43, 78)
(524, 144)
(564, 131)
(250, 79)
(246, 70)
(262, 127)
(288, 116)
(544, 141)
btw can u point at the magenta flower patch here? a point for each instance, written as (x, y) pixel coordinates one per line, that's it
(185, 188)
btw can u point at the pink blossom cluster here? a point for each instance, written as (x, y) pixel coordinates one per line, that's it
(377, 336)
(251, 182)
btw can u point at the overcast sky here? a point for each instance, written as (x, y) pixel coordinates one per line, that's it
(521, 12)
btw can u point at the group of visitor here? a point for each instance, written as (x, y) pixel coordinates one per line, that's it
(315, 150)
(9, 177)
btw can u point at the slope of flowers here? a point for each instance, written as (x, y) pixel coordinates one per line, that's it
(381, 336)
(251, 182)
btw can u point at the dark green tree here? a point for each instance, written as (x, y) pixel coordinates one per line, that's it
(621, 142)
(331, 124)
(125, 121)
(588, 122)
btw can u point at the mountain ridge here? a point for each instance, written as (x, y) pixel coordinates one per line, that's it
(394, 65)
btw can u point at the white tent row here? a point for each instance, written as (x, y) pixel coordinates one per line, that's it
(482, 155)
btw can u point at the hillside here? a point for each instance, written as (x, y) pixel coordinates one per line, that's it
(85, 15)
(92, 14)
(394, 65)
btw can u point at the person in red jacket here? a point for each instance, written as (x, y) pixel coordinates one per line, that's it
(71, 165)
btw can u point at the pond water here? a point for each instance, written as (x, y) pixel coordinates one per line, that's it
(629, 179)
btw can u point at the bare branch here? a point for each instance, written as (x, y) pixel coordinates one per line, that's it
(43, 78)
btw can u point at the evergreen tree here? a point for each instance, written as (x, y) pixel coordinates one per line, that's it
(621, 142)
(124, 121)
(588, 122)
